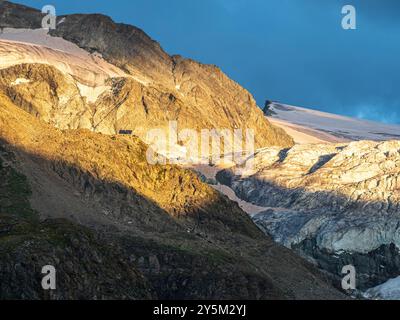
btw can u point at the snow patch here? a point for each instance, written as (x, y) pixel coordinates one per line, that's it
(92, 93)
(91, 71)
(19, 46)
(61, 21)
(42, 38)
(20, 81)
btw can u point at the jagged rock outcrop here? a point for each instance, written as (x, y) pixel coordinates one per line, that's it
(164, 87)
(339, 204)
(46, 93)
(267, 108)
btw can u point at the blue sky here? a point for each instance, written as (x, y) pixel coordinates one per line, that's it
(293, 51)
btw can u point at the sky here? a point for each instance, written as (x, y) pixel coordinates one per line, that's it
(291, 51)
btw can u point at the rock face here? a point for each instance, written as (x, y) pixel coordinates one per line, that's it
(142, 231)
(338, 204)
(154, 88)
(46, 93)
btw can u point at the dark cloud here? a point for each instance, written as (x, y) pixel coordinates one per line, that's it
(287, 50)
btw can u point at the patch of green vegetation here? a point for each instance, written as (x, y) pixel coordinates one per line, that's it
(19, 223)
(14, 193)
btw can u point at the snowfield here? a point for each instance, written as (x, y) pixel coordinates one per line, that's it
(18, 46)
(312, 126)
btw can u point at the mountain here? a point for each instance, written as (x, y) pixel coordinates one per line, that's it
(336, 204)
(312, 126)
(75, 195)
(147, 89)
